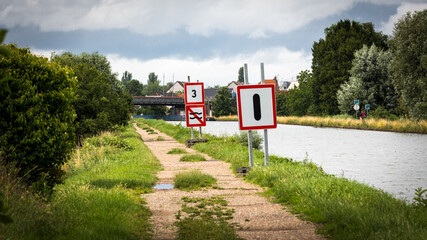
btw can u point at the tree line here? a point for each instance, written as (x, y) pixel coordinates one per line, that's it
(354, 62)
(49, 106)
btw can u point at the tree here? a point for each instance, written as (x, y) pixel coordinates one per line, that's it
(135, 88)
(152, 78)
(153, 85)
(127, 77)
(300, 99)
(408, 67)
(369, 81)
(332, 59)
(223, 103)
(102, 100)
(37, 117)
(281, 104)
(241, 77)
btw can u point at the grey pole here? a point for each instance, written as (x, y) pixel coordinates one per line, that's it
(200, 132)
(265, 130)
(251, 158)
(192, 135)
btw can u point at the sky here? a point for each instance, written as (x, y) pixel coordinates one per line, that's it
(208, 40)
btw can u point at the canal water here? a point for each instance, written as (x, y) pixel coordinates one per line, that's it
(394, 162)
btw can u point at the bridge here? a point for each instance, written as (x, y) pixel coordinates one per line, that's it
(159, 100)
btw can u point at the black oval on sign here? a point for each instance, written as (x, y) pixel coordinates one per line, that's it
(257, 107)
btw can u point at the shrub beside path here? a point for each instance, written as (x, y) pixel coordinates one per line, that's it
(258, 217)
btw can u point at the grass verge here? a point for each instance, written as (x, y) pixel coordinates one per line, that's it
(100, 198)
(192, 158)
(177, 151)
(193, 180)
(401, 125)
(345, 209)
(205, 218)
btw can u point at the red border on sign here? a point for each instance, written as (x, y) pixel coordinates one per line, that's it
(239, 106)
(185, 93)
(188, 109)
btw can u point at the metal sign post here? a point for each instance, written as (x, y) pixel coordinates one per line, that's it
(265, 130)
(367, 107)
(356, 107)
(251, 157)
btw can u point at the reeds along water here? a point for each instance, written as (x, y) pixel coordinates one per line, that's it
(401, 125)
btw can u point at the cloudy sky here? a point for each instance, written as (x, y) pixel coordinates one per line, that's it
(207, 40)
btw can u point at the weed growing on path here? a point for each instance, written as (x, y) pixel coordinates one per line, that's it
(205, 218)
(193, 180)
(177, 151)
(193, 158)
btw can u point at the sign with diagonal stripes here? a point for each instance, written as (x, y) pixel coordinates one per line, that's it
(195, 115)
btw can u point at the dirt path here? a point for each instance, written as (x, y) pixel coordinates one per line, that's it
(260, 218)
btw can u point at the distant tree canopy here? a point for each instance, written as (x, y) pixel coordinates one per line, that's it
(369, 81)
(127, 77)
(332, 60)
(102, 101)
(281, 104)
(408, 67)
(300, 99)
(37, 117)
(241, 77)
(153, 85)
(224, 103)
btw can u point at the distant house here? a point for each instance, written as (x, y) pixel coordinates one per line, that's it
(272, 81)
(178, 86)
(233, 86)
(285, 85)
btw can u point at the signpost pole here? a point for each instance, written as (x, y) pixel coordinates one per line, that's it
(200, 132)
(192, 135)
(265, 130)
(251, 158)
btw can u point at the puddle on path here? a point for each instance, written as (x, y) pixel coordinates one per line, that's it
(163, 186)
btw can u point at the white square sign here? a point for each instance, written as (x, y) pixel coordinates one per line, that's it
(256, 107)
(194, 93)
(195, 115)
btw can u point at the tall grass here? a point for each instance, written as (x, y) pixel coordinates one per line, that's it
(100, 198)
(346, 209)
(401, 125)
(30, 214)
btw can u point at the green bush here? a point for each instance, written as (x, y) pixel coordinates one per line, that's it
(37, 118)
(242, 138)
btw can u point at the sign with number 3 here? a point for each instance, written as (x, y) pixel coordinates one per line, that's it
(194, 93)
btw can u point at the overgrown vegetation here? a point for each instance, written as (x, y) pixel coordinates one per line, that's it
(102, 101)
(100, 198)
(346, 209)
(37, 129)
(347, 121)
(193, 180)
(257, 140)
(192, 158)
(205, 218)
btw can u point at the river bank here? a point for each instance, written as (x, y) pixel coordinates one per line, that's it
(402, 126)
(344, 208)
